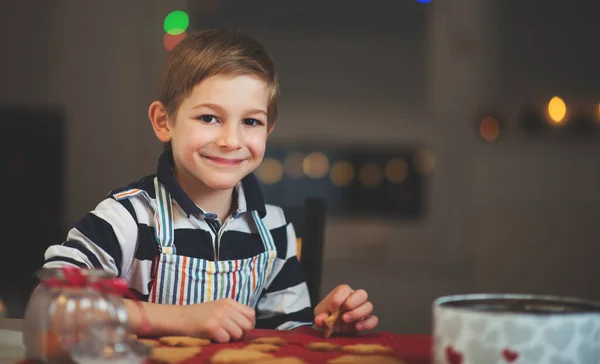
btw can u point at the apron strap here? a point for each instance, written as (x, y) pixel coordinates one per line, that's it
(163, 217)
(267, 239)
(265, 234)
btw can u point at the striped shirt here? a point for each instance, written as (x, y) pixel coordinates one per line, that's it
(118, 236)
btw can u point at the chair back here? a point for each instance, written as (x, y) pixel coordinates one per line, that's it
(309, 223)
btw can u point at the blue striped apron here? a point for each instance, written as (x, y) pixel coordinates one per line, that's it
(185, 280)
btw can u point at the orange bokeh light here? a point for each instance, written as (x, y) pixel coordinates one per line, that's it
(489, 128)
(170, 41)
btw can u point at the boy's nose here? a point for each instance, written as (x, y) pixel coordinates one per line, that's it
(230, 137)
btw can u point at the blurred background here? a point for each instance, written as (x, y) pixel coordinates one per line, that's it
(456, 142)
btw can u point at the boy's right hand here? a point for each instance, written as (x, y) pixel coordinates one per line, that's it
(221, 320)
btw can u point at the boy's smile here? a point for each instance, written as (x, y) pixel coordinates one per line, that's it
(224, 161)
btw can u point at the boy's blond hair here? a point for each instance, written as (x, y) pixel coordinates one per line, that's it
(215, 52)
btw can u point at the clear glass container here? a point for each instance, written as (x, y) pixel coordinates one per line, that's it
(71, 318)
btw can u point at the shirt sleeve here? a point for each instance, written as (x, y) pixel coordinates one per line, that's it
(105, 238)
(285, 303)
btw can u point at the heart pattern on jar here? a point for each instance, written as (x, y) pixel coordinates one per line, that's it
(560, 336)
(533, 354)
(509, 355)
(453, 356)
(588, 353)
(479, 353)
(517, 333)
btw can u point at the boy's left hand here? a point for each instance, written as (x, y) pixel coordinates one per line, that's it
(354, 307)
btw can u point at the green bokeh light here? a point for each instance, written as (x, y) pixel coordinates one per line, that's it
(176, 22)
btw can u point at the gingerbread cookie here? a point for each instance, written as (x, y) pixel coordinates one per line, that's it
(367, 349)
(149, 342)
(171, 355)
(235, 356)
(269, 340)
(284, 360)
(183, 341)
(322, 346)
(264, 348)
(331, 322)
(365, 359)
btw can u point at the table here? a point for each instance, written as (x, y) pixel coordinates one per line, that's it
(11, 340)
(11, 324)
(414, 349)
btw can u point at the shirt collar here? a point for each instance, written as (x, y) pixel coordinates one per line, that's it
(247, 192)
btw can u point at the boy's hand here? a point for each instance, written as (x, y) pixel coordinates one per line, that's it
(354, 307)
(221, 320)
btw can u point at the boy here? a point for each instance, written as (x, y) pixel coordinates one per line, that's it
(198, 235)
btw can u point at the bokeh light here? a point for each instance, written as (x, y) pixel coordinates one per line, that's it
(293, 165)
(424, 162)
(396, 170)
(370, 175)
(489, 128)
(170, 41)
(342, 173)
(270, 171)
(176, 22)
(315, 165)
(557, 110)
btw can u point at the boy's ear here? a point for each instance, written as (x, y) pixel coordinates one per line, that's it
(160, 121)
(270, 129)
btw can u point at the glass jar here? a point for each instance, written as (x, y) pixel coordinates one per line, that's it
(74, 316)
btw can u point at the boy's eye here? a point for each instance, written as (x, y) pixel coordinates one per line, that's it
(207, 118)
(252, 122)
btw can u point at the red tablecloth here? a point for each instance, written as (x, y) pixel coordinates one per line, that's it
(414, 349)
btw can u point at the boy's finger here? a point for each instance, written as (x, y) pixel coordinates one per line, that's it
(320, 319)
(355, 299)
(358, 313)
(367, 324)
(338, 297)
(242, 321)
(233, 329)
(245, 310)
(221, 336)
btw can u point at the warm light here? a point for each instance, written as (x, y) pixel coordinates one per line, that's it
(424, 162)
(176, 22)
(396, 170)
(270, 171)
(315, 165)
(341, 173)
(170, 41)
(293, 165)
(557, 110)
(369, 175)
(489, 129)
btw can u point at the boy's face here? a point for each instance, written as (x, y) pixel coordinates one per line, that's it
(220, 131)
